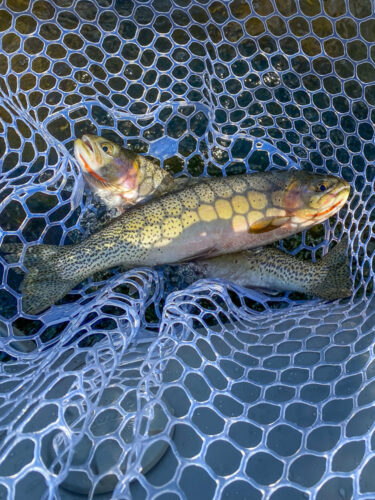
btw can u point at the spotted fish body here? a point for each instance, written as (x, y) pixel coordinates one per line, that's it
(217, 216)
(328, 278)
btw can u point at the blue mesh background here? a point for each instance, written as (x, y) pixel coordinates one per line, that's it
(126, 389)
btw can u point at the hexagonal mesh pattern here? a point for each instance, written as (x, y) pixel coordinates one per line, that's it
(124, 390)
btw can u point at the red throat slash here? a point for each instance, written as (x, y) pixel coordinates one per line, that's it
(91, 171)
(319, 214)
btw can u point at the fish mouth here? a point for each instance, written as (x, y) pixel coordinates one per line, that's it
(331, 203)
(84, 152)
(337, 198)
(86, 141)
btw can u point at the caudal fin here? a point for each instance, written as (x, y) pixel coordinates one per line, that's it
(334, 269)
(42, 285)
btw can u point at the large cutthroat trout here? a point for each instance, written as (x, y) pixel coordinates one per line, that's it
(265, 267)
(327, 278)
(214, 217)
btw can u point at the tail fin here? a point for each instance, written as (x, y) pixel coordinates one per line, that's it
(42, 286)
(336, 282)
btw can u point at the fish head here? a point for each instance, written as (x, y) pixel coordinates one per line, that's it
(313, 198)
(106, 165)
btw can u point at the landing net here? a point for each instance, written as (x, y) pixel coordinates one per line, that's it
(127, 388)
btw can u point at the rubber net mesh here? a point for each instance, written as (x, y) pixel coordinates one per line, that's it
(130, 388)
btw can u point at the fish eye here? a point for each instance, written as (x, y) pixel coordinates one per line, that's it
(322, 187)
(107, 148)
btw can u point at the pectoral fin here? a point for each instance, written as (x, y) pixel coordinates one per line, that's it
(266, 224)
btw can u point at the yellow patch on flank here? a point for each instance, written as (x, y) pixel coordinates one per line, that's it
(223, 209)
(188, 218)
(254, 216)
(135, 223)
(131, 237)
(172, 207)
(207, 213)
(154, 215)
(222, 190)
(239, 224)
(188, 199)
(239, 185)
(204, 193)
(277, 198)
(275, 212)
(240, 204)
(150, 234)
(171, 227)
(257, 200)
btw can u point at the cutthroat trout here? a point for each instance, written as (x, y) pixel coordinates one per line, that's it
(269, 267)
(120, 177)
(218, 216)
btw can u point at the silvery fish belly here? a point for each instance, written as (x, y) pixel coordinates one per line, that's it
(217, 216)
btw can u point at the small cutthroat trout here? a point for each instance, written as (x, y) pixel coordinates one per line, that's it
(328, 278)
(215, 217)
(119, 177)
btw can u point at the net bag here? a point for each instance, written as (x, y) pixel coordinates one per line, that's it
(131, 389)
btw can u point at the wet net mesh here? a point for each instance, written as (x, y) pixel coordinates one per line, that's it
(129, 388)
